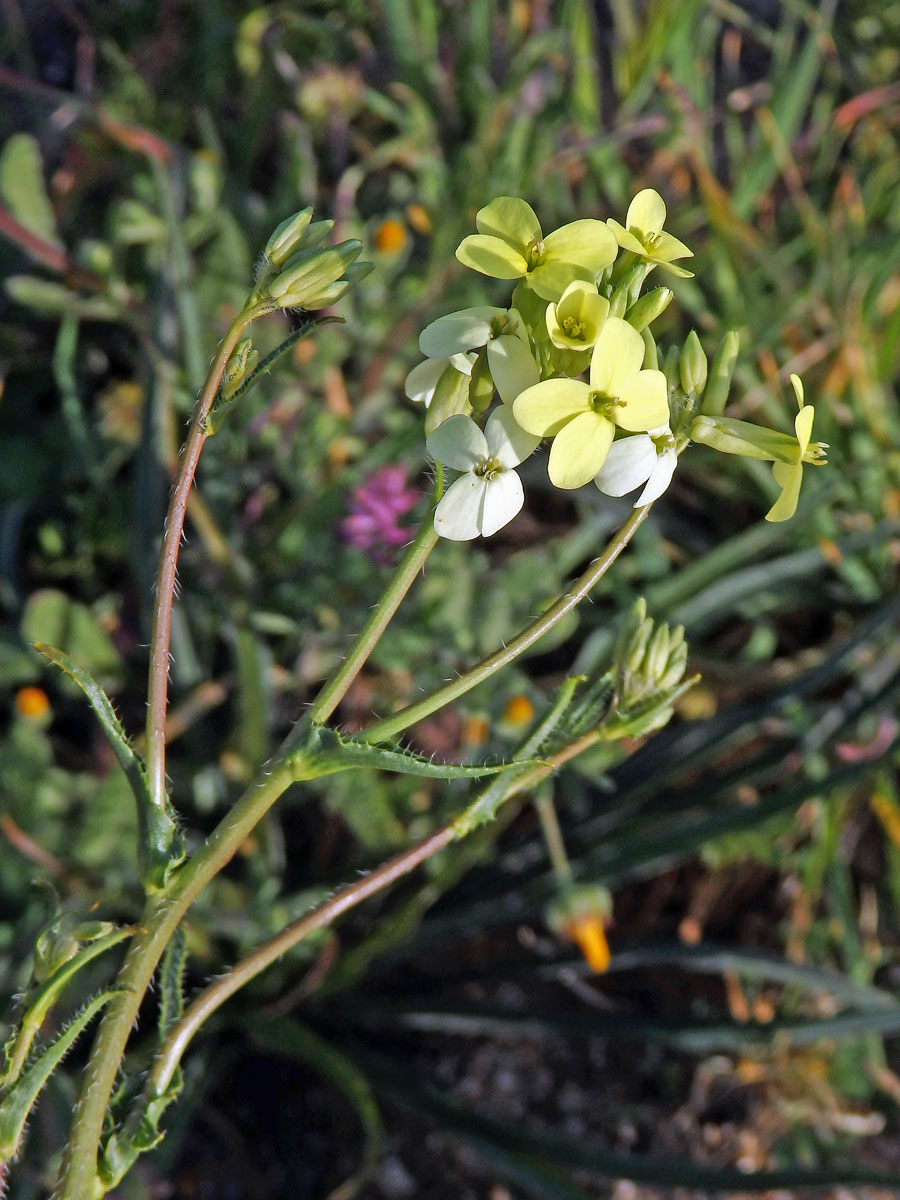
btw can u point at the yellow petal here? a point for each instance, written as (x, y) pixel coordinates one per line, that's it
(803, 426)
(491, 256)
(617, 357)
(510, 219)
(590, 244)
(789, 479)
(545, 408)
(579, 450)
(646, 398)
(646, 213)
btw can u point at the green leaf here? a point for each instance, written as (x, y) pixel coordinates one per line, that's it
(326, 751)
(20, 1099)
(38, 1004)
(222, 406)
(53, 618)
(160, 846)
(22, 186)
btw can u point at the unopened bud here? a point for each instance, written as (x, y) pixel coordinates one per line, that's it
(657, 654)
(693, 366)
(715, 394)
(451, 396)
(331, 294)
(287, 237)
(651, 305)
(310, 272)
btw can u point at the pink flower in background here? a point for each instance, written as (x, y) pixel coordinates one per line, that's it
(374, 510)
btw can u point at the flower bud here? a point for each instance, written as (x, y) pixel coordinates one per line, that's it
(693, 366)
(287, 237)
(331, 294)
(618, 301)
(651, 305)
(451, 396)
(657, 655)
(310, 272)
(242, 363)
(715, 394)
(744, 438)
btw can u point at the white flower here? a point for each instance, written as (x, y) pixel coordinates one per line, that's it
(423, 379)
(647, 458)
(489, 493)
(502, 331)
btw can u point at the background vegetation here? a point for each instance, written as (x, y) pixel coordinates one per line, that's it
(443, 1039)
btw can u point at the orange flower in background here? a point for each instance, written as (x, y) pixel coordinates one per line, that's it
(519, 710)
(590, 934)
(391, 236)
(32, 703)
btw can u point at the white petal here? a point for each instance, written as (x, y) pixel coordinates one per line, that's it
(458, 443)
(458, 331)
(422, 380)
(659, 480)
(630, 462)
(463, 362)
(507, 441)
(513, 368)
(503, 498)
(458, 516)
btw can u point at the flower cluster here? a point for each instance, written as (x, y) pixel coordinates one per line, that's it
(572, 360)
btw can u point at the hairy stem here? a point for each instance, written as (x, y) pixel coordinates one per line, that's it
(216, 993)
(168, 565)
(383, 730)
(158, 923)
(365, 641)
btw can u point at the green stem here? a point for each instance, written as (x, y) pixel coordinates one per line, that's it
(158, 923)
(384, 730)
(216, 993)
(365, 641)
(556, 846)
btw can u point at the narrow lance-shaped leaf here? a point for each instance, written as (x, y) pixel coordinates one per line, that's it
(487, 803)
(223, 406)
(19, 1100)
(38, 1005)
(160, 845)
(326, 751)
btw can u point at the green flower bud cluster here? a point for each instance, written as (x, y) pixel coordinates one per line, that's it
(650, 662)
(300, 271)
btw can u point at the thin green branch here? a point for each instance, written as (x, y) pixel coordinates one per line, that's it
(365, 641)
(216, 993)
(388, 728)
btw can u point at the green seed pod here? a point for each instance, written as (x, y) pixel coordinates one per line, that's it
(715, 394)
(693, 366)
(651, 305)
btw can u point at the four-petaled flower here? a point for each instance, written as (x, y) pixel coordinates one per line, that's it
(509, 244)
(643, 234)
(502, 331)
(489, 492)
(582, 417)
(575, 320)
(649, 458)
(789, 476)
